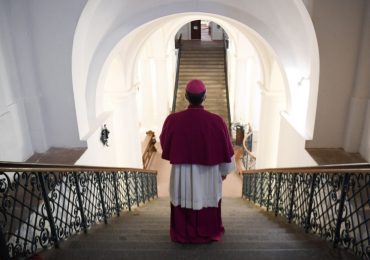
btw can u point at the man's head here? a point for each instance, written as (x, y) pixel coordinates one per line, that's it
(195, 92)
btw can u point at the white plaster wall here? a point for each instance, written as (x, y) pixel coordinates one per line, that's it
(97, 154)
(290, 153)
(272, 103)
(185, 31)
(338, 25)
(15, 140)
(245, 76)
(217, 32)
(365, 140)
(20, 66)
(356, 129)
(35, 50)
(52, 26)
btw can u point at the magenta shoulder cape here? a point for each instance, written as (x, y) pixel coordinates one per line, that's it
(196, 136)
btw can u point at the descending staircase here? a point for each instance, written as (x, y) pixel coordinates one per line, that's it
(204, 62)
(251, 233)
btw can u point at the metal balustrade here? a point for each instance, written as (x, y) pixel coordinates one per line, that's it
(42, 205)
(331, 202)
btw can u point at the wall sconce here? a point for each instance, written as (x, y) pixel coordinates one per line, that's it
(301, 80)
(104, 135)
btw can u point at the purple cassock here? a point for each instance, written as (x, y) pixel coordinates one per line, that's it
(198, 145)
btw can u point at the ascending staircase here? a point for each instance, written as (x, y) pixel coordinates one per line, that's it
(204, 62)
(251, 233)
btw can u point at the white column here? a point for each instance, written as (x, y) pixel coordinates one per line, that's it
(241, 92)
(160, 84)
(126, 131)
(148, 108)
(268, 137)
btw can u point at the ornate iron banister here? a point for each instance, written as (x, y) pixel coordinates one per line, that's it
(331, 201)
(42, 204)
(226, 46)
(179, 47)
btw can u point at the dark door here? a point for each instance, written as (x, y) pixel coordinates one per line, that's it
(195, 30)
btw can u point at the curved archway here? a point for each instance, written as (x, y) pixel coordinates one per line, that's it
(87, 76)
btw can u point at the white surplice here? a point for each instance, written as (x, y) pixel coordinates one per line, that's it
(195, 186)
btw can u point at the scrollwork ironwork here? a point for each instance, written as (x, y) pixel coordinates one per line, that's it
(336, 206)
(72, 203)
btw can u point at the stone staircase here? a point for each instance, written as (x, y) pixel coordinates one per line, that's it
(251, 233)
(204, 62)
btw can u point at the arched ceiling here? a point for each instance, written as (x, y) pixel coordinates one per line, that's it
(283, 27)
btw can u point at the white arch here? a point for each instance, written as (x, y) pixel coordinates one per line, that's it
(285, 26)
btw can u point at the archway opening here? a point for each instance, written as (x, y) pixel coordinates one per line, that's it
(129, 42)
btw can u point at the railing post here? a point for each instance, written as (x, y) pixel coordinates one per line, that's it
(102, 198)
(147, 186)
(343, 196)
(142, 187)
(307, 225)
(255, 187)
(261, 188)
(116, 192)
(4, 251)
(269, 195)
(278, 194)
(244, 184)
(49, 212)
(136, 189)
(290, 214)
(80, 203)
(128, 192)
(153, 177)
(156, 185)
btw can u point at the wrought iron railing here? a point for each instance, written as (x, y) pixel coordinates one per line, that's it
(331, 202)
(178, 46)
(44, 204)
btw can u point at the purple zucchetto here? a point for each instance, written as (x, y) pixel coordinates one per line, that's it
(195, 86)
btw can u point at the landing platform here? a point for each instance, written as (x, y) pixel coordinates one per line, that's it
(325, 156)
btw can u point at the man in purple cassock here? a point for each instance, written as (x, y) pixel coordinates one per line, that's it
(197, 144)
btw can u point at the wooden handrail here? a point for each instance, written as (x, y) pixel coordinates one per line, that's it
(149, 149)
(361, 167)
(36, 167)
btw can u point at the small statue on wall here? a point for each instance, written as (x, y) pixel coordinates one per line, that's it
(104, 135)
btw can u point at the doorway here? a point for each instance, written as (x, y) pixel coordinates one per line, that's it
(196, 30)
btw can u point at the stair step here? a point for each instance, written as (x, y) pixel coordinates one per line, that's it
(144, 234)
(200, 66)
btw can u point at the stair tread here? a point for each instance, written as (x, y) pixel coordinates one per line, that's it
(144, 234)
